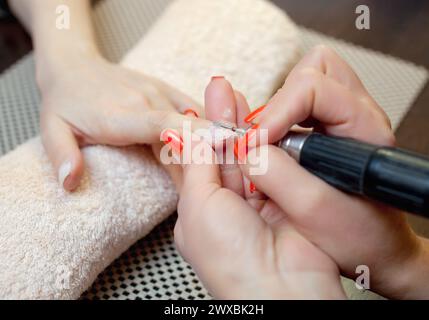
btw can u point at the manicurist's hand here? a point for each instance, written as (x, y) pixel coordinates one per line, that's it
(323, 91)
(86, 99)
(240, 244)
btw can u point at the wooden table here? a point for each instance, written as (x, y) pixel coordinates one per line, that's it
(399, 28)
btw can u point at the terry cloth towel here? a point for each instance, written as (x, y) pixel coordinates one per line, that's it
(53, 244)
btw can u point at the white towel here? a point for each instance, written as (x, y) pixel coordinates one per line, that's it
(53, 244)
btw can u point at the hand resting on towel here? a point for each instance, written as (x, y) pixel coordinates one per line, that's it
(88, 100)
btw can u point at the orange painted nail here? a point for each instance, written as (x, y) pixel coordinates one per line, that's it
(240, 149)
(251, 116)
(189, 112)
(252, 187)
(217, 77)
(173, 139)
(241, 146)
(250, 134)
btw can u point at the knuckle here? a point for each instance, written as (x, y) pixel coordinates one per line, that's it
(323, 52)
(143, 100)
(151, 90)
(316, 199)
(107, 115)
(308, 81)
(136, 98)
(309, 75)
(163, 119)
(113, 122)
(366, 100)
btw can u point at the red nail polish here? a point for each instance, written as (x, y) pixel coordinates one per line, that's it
(190, 112)
(254, 114)
(173, 139)
(241, 146)
(240, 149)
(252, 187)
(250, 134)
(217, 77)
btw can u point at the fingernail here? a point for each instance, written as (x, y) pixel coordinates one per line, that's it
(252, 187)
(217, 77)
(241, 146)
(251, 116)
(64, 172)
(173, 139)
(190, 112)
(251, 133)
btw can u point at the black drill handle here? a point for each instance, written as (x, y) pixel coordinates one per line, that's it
(393, 176)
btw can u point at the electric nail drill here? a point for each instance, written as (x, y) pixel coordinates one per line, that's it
(393, 176)
(396, 177)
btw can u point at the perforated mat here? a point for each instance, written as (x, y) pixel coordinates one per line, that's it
(152, 268)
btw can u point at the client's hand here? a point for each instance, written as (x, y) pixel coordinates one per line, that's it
(91, 101)
(240, 245)
(323, 91)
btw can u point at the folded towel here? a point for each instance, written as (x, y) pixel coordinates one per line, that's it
(53, 244)
(252, 43)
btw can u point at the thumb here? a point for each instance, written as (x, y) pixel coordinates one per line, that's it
(63, 151)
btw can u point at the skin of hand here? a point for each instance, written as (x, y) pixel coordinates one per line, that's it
(115, 106)
(229, 237)
(323, 91)
(88, 100)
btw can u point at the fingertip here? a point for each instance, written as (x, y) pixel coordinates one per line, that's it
(64, 173)
(220, 100)
(63, 151)
(71, 171)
